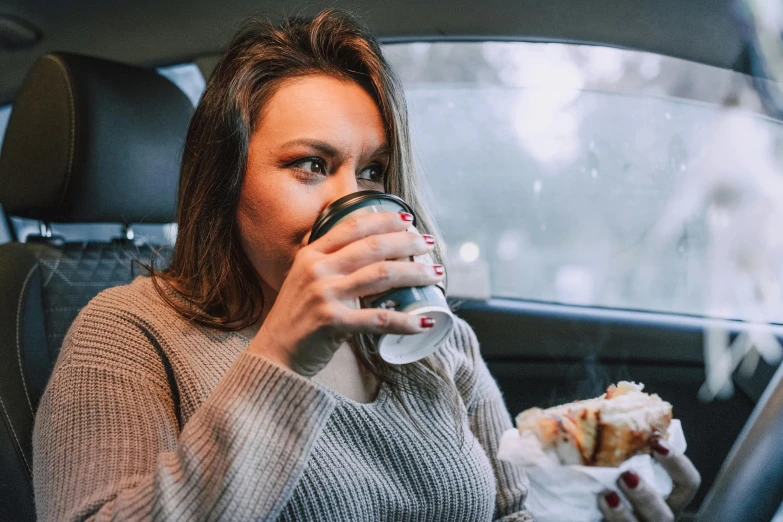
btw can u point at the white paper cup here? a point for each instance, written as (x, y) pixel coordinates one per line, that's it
(403, 349)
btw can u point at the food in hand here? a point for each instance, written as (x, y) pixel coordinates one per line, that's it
(604, 431)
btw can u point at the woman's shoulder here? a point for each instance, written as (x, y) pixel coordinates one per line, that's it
(139, 297)
(461, 356)
(460, 351)
(461, 344)
(122, 324)
(142, 302)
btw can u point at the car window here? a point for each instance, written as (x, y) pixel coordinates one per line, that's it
(5, 113)
(549, 164)
(189, 79)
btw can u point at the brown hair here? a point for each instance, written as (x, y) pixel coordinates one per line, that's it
(209, 269)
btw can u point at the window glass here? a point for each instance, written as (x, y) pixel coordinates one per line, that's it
(5, 113)
(188, 78)
(156, 234)
(549, 164)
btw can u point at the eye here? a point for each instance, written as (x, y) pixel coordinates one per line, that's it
(310, 165)
(373, 173)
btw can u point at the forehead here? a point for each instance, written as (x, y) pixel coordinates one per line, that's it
(322, 107)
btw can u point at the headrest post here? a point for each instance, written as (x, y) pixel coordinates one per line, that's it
(45, 228)
(127, 231)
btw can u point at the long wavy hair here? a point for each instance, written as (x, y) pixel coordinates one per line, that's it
(215, 283)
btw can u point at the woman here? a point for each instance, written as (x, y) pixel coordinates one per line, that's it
(238, 384)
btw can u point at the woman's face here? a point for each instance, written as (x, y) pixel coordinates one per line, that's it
(318, 139)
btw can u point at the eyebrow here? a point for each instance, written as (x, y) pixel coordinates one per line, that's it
(328, 149)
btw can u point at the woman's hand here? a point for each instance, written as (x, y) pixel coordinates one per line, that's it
(646, 504)
(317, 307)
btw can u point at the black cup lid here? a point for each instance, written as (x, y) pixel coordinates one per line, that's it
(347, 204)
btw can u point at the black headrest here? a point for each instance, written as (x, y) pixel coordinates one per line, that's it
(92, 140)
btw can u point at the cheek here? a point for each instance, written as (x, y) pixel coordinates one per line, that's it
(262, 227)
(274, 223)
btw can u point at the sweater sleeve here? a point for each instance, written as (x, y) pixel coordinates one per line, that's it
(108, 446)
(488, 419)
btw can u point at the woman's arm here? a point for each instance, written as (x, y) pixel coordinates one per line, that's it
(489, 418)
(107, 445)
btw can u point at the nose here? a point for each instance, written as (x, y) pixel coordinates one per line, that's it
(341, 184)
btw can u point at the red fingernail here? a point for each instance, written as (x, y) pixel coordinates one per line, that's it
(612, 499)
(427, 322)
(631, 479)
(406, 217)
(660, 448)
(438, 269)
(429, 239)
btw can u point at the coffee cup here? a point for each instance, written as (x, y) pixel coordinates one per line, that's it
(427, 301)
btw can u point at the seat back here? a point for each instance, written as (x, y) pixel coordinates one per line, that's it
(89, 141)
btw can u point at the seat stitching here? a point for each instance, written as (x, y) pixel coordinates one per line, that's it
(18, 335)
(53, 270)
(66, 279)
(69, 170)
(13, 432)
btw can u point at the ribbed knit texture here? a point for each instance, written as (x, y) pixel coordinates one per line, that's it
(150, 417)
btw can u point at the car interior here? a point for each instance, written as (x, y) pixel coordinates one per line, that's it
(88, 181)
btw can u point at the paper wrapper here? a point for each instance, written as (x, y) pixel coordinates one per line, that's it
(570, 493)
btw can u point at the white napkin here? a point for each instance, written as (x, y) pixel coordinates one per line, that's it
(570, 493)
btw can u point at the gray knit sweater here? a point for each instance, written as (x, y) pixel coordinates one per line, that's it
(150, 417)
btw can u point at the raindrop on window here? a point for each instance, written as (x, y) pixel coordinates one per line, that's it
(508, 245)
(575, 284)
(682, 244)
(678, 154)
(469, 251)
(592, 164)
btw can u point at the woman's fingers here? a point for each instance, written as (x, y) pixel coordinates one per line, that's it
(648, 505)
(360, 227)
(380, 277)
(381, 321)
(684, 475)
(380, 247)
(613, 509)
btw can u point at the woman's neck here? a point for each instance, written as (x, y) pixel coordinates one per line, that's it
(346, 375)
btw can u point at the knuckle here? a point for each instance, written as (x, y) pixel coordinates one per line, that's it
(322, 290)
(354, 225)
(384, 318)
(326, 316)
(374, 244)
(315, 270)
(302, 256)
(382, 272)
